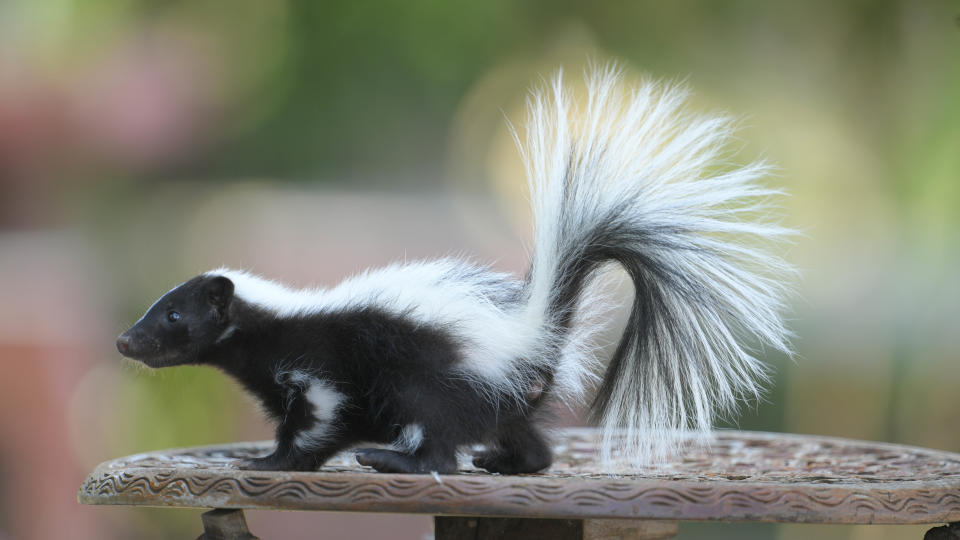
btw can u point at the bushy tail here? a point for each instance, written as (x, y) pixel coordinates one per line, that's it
(629, 176)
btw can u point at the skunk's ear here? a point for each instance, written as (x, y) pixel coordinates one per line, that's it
(220, 292)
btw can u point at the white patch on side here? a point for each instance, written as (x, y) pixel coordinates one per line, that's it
(325, 401)
(410, 439)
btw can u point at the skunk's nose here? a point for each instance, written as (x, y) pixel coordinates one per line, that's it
(123, 344)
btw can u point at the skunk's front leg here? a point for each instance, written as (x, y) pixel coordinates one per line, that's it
(308, 434)
(292, 455)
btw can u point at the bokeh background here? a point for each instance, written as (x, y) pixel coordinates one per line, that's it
(142, 142)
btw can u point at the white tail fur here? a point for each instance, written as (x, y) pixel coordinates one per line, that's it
(628, 175)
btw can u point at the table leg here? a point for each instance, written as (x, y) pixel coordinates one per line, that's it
(224, 524)
(486, 528)
(950, 531)
(628, 529)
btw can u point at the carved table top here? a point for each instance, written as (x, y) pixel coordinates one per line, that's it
(738, 476)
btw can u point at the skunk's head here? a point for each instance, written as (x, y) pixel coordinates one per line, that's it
(182, 324)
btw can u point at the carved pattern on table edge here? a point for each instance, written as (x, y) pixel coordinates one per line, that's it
(531, 496)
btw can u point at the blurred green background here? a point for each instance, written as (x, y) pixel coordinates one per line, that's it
(142, 142)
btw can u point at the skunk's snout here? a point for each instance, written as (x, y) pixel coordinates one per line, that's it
(123, 344)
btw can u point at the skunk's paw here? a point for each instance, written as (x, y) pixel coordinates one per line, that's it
(386, 461)
(391, 461)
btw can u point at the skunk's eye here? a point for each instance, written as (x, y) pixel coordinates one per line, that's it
(173, 316)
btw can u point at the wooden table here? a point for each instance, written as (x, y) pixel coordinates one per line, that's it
(738, 476)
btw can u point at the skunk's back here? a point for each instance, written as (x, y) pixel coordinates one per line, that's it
(480, 310)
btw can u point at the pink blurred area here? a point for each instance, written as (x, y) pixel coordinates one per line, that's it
(143, 105)
(50, 323)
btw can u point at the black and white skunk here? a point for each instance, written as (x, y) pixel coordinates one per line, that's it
(442, 355)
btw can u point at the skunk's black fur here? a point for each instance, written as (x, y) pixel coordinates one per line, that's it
(386, 371)
(437, 356)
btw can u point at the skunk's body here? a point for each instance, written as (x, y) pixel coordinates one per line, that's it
(436, 356)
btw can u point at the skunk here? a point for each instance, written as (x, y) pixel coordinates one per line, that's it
(436, 356)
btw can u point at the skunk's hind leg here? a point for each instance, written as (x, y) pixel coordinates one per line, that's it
(519, 448)
(431, 456)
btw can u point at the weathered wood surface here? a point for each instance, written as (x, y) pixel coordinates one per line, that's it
(738, 476)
